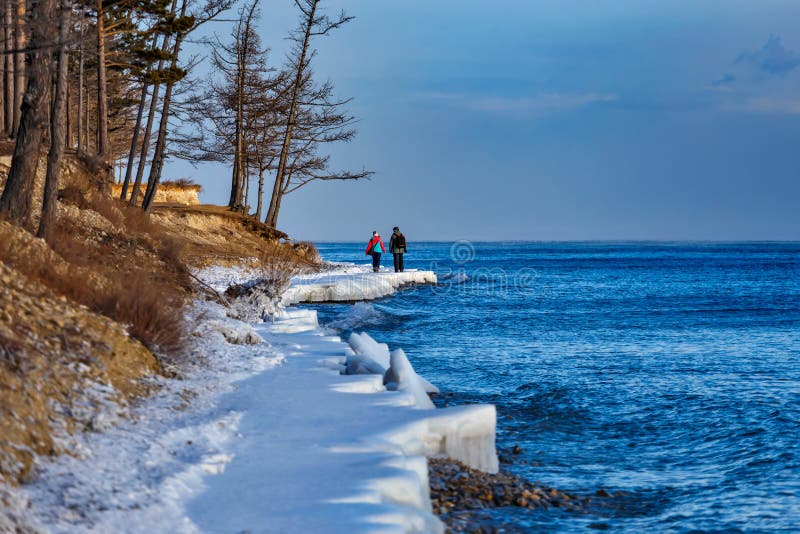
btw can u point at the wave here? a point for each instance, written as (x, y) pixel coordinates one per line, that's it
(458, 277)
(358, 315)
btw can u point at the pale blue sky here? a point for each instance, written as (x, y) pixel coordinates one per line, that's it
(551, 120)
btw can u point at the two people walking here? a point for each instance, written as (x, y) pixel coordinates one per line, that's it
(397, 245)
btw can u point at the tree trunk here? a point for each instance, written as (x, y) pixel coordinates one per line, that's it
(148, 129)
(134, 141)
(81, 110)
(68, 137)
(246, 191)
(58, 128)
(3, 71)
(277, 209)
(103, 148)
(235, 202)
(16, 203)
(161, 142)
(260, 193)
(8, 69)
(87, 136)
(239, 171)
(277, 190)
(19, 63)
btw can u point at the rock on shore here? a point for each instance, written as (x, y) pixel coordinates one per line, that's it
(457, 492)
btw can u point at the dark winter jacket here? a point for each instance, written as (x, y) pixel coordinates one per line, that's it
(372, 246)
(397, 244)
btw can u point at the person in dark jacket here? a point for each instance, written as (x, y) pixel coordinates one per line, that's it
(374, 248)
(397, 245)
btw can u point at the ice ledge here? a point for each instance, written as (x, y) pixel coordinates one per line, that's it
(352, 286)
(464, 433)
(369, 444)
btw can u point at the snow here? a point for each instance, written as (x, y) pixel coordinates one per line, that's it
(371, 357)
(343, 282)
(274, 427)
(238, 333)
(402, 377)
(352, 283)
(366, 348)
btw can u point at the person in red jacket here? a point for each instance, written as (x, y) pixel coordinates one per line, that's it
(374, 248)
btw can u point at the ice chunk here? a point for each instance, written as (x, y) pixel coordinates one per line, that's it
(402, 377)
(351, 286)
(358, 364)
(463, 433)
(467, 434)
(429, 388)
(371, 357)
(364, 345)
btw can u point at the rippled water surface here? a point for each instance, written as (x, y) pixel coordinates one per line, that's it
(666, 374)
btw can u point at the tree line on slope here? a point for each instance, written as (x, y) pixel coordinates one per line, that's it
(110, 80)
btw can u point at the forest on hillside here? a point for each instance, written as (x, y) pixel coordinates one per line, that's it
(115, 84)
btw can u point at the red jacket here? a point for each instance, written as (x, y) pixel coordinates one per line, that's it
(372, 242)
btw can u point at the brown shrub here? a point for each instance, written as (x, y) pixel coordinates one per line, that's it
(308, 251)
(108, 277)
(137, 221)
(181, 183)
(110, 208)
(153, 317)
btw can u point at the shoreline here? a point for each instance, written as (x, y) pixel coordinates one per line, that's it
(272, 398)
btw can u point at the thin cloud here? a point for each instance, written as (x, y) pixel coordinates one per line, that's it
(773, 58)
(541, 103)
(725, 80)
(766, 104)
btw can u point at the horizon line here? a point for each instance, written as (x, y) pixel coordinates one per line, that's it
(620, 241)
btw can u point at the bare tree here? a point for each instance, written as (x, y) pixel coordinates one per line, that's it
(20, 40)
(151, 76)
(16, 202)
(312, 24)
(103, 147)
(81, 131)
(319, 121)
(3, 70)
(8, 68)
(58, 119)
(235, 119)
(299, 163)
(183, 25)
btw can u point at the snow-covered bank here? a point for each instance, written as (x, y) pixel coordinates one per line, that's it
(139, 472)
(268, 433)
(342, 283)
(340, 452)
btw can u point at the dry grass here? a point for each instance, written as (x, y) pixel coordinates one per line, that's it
(181, 183)
(107, 294)
(51, 352)
(278, 266)
(133, 275)
(84, 310)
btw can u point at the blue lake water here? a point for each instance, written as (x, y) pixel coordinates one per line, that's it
(667, 374)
